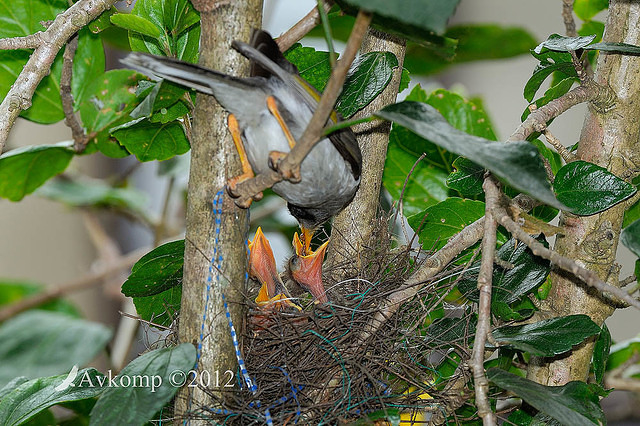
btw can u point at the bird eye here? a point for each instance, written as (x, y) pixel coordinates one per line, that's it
(294, 264)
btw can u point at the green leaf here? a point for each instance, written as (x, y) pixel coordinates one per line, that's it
(313, 65)
(23, 170)
(88, 65)
(32, 397)
(587, 9)
(13, 291)
(162, 308)
(156, 271)
(152, 141)
(548, 337)
(405, 79)
(621, 48)
(601, 354)
(436, 224)
(179, 26)
(511, 284)
(575, 403)
(136, 24)
(630, 237)
(467, 178)
(554, 92)
(109, 101)
(88, 193)
(588, 189)
(622, 352)
(160, 368)
(518, 163)
(476, 42)
(406, 15)
(39, 343)
(554, 159)
(21, 18)
(550, 62)
(560, 43)
(517, 311)
(592, 27)
(103, 21)
(367, 78)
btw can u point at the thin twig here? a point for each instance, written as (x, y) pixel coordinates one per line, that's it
(302, 27)
(289, 166)
(566, 155)
(485, 275)
(38, 66)
(79, 137)
(567, 16)
(31, 41)
(562, 262)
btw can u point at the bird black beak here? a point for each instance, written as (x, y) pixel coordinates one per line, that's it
(306, 270)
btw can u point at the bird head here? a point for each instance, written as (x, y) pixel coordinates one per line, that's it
(305, 268)
(262, 268)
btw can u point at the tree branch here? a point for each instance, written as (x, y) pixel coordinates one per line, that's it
(39, 64)
(79, 137)
(485, 276)
(302, 27)
(289, 166)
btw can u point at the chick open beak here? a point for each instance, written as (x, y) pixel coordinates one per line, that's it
(306, 268)
(262, 267)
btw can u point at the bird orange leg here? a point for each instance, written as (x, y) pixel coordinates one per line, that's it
(247, 171)
(273, 109)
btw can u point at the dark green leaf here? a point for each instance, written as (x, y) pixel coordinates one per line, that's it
(476, 42)
(550, 62)
(21, 18)
(109, 101)
(630, 237)
(631, 214)
(159, 367)
(517, 311)
(518, 163)
(520, 418)
(33, 397)
(587, 9)
(88, 65)
(367, 78)
(103, 21)
(313, 65)
(40, 343)
(152, 141)
(156, 271)
(554, 92)
(179, 26)
(461, 113)
(407, 15)
(575, 403)
(438, 223)
(548, 337)
(554, 159)
(162, 308)
(509, 285)
(94, 194)
(588, 189)
(23, 170)
(467, 178)
(601, 354)
(136, 24)
(12, 291)
(560, 43)
(621, 48)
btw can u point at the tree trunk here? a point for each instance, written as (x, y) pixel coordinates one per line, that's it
(353, 227)
(213, 161)
(609, 139)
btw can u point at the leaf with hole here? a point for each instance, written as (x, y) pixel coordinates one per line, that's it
(589, 189)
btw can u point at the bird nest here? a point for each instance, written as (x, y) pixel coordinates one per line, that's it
(324, 365)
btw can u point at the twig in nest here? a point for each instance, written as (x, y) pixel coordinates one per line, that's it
(492, 196)
(589, 277)
(289, 166)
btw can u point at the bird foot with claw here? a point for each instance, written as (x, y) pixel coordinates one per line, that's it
(292, 174)
(233, 191)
